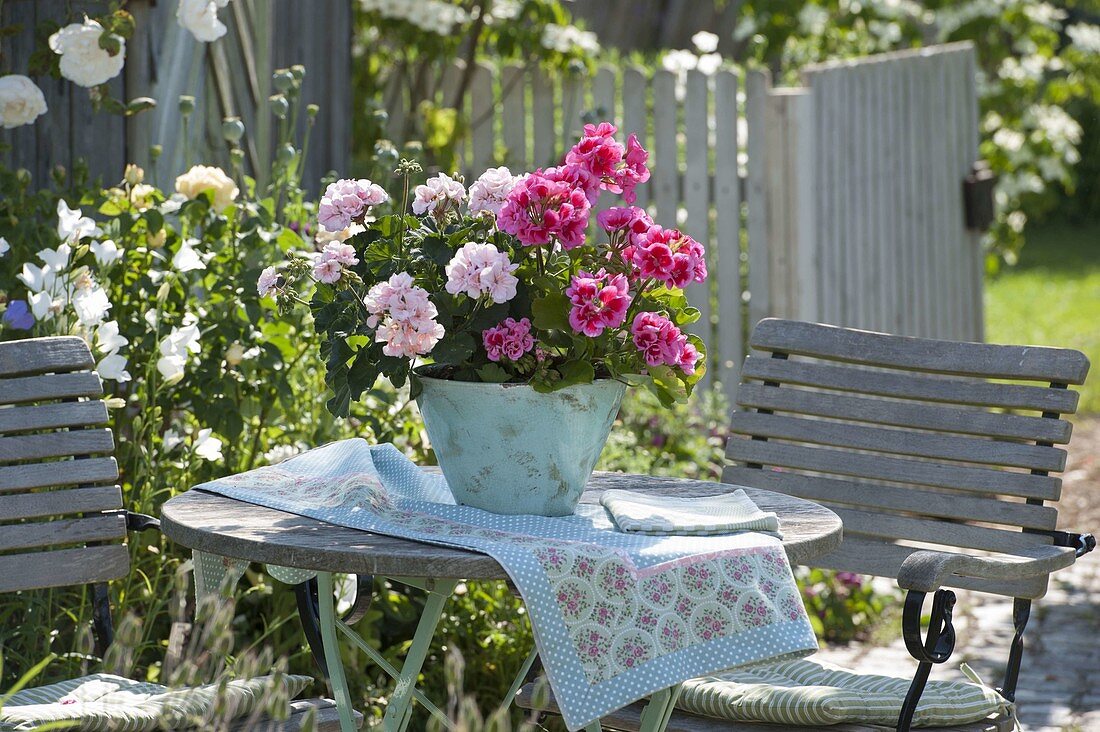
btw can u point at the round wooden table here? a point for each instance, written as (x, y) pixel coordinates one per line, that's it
(227, 527)
(231, 528)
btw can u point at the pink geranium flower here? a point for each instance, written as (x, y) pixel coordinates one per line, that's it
(662, 343)
(541, 209)
(604, 163)
(600, 301)
(669, 256)
(510, 339)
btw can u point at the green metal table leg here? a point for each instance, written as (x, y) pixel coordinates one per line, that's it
(339, 684)
(594, 727)
(658, 711)
(527, 664)
(397, 714)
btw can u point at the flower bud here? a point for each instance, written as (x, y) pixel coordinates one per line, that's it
(156, 241)
(234, 354)
(285, 154)
(114, 403)
(133, 174)
(155, 152)
(163, 290)
(385, 152)
(236, 156)
(232, 129)
(23, 176)
(279, 105)
(282, 80)
(298, 72)
(187, 104)
(312, 110)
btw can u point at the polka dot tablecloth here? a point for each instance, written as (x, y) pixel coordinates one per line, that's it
(616, 616)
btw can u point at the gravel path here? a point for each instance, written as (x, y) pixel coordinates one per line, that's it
(1059, 685)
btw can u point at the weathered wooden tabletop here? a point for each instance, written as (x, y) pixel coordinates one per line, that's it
(232, 528)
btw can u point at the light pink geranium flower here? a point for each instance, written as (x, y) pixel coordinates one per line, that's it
(268, 281)
(438, 195)
(490, 191)
(479, 268)
(347, 201)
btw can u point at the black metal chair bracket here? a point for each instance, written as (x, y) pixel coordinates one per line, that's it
(935, 647)
(305, 594)
(1081, 543)
(140, 522)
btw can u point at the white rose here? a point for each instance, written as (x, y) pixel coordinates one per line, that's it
(705, 42)
(200, 17)
(204, 177)
(83, 62)
(21, 101)
(207, 446)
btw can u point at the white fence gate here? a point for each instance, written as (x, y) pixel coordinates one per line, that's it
(854, 182)
(858, 175)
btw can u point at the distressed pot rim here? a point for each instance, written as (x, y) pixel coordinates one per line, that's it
(502, 386)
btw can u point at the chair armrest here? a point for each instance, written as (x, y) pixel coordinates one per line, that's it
(927, 570)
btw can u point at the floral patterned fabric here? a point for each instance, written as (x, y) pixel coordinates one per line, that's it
(615, 616)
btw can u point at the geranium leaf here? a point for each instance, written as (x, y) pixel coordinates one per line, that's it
(551, 312)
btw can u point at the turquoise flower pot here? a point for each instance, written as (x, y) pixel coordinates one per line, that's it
(506, 448)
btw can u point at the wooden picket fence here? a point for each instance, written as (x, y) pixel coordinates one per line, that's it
(853, 188)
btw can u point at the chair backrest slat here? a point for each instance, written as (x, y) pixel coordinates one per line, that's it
(61, 354)
(892, 498)
(909, 440)
(63, 567)
(911, 386)
(896, 470)
(51, 386)
(93, 499)
(984, 360)
(58, 474)
(61, 519)
(52, 416)
(897, 413)
(902, 442)
(36, 535)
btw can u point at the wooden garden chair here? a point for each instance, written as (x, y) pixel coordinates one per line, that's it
(62, 520)
(941, 472)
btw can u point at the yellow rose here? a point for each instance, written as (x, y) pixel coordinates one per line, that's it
(141, 196)
(204, 177)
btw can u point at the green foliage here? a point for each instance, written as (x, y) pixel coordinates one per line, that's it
(1039, 79)
(843, 606)
(403, 54)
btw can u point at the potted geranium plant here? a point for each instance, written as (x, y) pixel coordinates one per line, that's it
(518, 330)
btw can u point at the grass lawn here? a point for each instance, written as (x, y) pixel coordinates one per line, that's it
(1052, 297)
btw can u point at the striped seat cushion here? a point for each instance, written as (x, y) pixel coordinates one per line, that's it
(810, 692)
(102, 702)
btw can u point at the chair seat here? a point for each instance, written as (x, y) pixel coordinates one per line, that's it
(326, 718)
(104, 701)
(628, 719)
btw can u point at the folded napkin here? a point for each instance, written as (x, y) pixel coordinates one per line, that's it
(727, 513)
